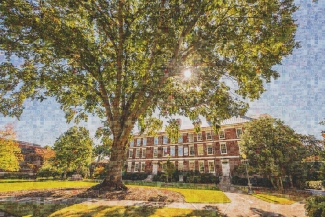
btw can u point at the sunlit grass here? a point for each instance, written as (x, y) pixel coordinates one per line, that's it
(195, 195)
(24, 186)
(274, 199)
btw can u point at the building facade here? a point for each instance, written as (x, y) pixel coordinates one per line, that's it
(205, 151)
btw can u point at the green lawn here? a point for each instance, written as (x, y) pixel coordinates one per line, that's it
(19, 186)
(196, 196)
(274, 199)
(76, 210)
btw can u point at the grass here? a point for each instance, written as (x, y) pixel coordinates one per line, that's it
(25, 186)
(196, 196)
(82, 210)
(274, 199)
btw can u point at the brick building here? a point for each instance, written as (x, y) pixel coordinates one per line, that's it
(205, 151)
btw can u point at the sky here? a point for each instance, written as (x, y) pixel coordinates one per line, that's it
(297, 97)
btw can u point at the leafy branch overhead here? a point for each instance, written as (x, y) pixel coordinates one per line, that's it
(123, 59)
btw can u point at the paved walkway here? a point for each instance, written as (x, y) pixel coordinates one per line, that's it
(242, 205)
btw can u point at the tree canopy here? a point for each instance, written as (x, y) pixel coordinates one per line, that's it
(73, 149)
(10, 153)
(124, 60)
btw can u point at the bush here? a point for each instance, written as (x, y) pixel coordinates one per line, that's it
(261, 182)
(314, 185)
(99, 172)
(315, 206)
(134, 176)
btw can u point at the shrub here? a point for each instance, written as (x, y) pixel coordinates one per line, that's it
(315, 206)
(99, 172)
(314, 185)
(134, 176)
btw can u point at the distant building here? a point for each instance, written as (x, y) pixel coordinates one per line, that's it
(205, 151)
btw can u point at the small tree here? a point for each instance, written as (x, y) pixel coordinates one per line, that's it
(73, 149)
(10, 153)
(169, 169)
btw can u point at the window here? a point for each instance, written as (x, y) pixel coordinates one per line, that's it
(180, 139)
(221, 134)
(143, 166)
(132, 143)
(172, 151)
(201, 166)
(155, 141)
(155, 152)
(192, 165)
(180, 165)
(165, 153)
(192, 150)
(144, 141)
(136, 167)
(185, 151)
(200, 149)
(238, 132)
(223, 148)
(209, 149)
(199, 137)
(137, 153)
(138, 142)
(190, 138)
(180, 150)
(130, 153)
(143, 153)
(208, 135)
(129, 166)
(211, 166)
(165, 140)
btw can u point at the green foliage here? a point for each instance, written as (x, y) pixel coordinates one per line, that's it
(134, 176)
(318, 185)
(73, 149)
(169, 168)
(262, 182)
(124, 60)
(47, 170)
(172, 130)
(315, 206)
(273, 149)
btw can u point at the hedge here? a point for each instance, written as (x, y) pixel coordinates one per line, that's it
(189, 177)
(318, 185)
(315, 206)
(134, 176)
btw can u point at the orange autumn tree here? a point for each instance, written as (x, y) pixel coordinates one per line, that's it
(10, 153)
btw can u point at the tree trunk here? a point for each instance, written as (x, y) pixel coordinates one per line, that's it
(65, 172)
(291, 183)
(280, 183)
(113, 180)
(272, 182)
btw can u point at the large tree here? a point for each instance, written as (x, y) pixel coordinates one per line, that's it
(73, 150)
(273, 149)
(10, 153)
(123, 60)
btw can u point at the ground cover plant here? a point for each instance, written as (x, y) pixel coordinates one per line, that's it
(274, 199)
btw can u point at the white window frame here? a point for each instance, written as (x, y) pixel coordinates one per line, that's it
(189, 165)
(180, 167)
(129, 166)
(138, 142)
(206, 135)
(170, 151)
(211, 161)
(200, 163)
(137, 153)
(130, 151)
(143, 167)
(143, 155)
(179, 148)
(132, 143)
(165, 140)
(153, 154)
(165, 154)
(211, 149)
(185, 153)
(189, 150)
(199, 137)
(190, 137)
(221, 144)
(136, 167)
(241, 132)
(156, 139)
(200, 146)
(223, 134)
(144, 141)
